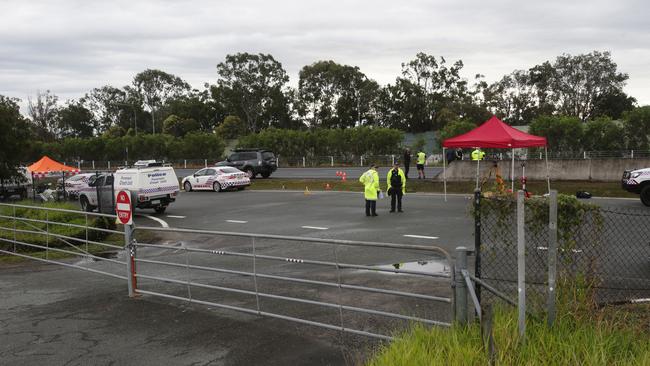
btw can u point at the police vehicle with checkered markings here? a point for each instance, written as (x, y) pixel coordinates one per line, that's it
(638, 181)
(216, 179)
(152, 185)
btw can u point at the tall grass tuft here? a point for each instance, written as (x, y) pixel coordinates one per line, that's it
(570, 341)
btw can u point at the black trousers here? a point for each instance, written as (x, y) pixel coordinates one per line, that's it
(371, 207)
(406, 169)
(396, 194)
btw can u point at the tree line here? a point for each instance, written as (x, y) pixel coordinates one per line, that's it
(428, 94)
(251, 93)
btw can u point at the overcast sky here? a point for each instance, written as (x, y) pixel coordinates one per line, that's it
(70, 47)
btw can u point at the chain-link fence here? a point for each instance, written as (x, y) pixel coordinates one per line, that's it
(605, 249)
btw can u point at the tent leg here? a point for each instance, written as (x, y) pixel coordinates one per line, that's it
(512, 172)
(444, 171)
(548, 178)
(478, 164)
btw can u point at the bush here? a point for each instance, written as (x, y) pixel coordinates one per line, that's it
(323, 142)
(143, 146)
(53, 217)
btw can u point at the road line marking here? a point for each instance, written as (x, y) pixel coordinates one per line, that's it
(160, 221)
(176, 216)
(237, 221)
(314, 227)
(421, 237)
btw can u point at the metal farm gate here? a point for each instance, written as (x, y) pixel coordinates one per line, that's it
(355, 287)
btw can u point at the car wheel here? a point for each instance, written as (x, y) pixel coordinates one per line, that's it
(85, 205)
(645, 195)
(266, 174)
(187, 187)
(250, 173)
(216, 187)
(160, 209)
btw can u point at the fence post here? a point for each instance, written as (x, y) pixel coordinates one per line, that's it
(303, 161)
(93, 164)
(393, 158)
(361, 162)
(109, 165)
(477, 240)
(521, 264)
(460, 286)
(185, 163)
(205, 162)
(331, 160)
(584, 155)
(130, 260)
(552, 255)
(632, 154)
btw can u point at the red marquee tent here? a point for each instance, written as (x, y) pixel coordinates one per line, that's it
(494, 133)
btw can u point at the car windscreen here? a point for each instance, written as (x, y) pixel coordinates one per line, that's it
(267, 155)
(229, 170)
(247, 156)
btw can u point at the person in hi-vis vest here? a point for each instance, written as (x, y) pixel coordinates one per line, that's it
(422, 157)
(370, 181)
(477, 154)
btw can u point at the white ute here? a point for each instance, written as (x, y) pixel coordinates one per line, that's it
(638, 181)
(152, 185)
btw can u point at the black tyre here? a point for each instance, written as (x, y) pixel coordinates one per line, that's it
(216, 187)
(85, 205)
(645, 195)
(160, 209)
(266, 174)
(187, 187)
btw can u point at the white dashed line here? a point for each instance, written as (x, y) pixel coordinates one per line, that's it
(176, 216)
(314, 227)
(421, 237)
(160, 221)
(237, 221)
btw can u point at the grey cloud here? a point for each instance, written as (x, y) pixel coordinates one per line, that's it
(71, 47)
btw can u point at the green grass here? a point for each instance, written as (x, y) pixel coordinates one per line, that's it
(571, 341)
(53, 217)
(599, 189)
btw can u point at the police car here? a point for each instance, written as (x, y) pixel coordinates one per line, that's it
(216, 179)
(75, 184)
(638, 181)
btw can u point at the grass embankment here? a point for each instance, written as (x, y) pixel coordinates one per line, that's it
(599, 189)
(38, 235)
(607, 337)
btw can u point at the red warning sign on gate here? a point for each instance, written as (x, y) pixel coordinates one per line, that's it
(123, 207)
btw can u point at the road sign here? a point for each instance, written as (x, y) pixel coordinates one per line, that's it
(123, 208)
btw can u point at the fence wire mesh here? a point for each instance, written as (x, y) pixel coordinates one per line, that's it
(603, 248)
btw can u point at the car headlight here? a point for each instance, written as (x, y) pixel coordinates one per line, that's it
(635, 175)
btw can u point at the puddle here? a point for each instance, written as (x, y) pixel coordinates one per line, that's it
(107, 254)
(427, 266)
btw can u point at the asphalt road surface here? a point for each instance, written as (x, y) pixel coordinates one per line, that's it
(338, 215)
(58, 316)
(326, 173)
